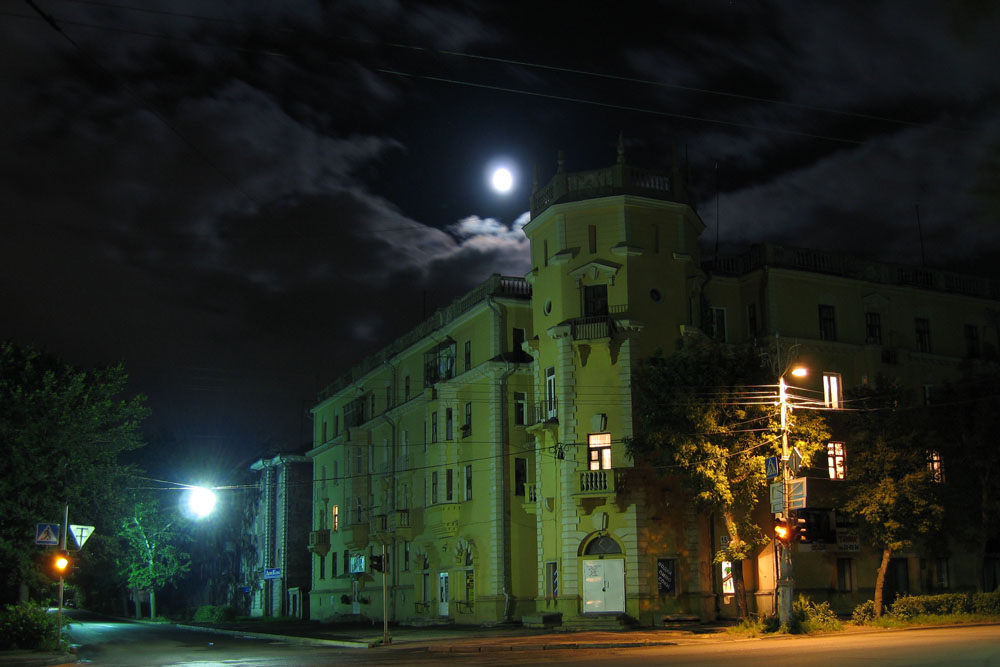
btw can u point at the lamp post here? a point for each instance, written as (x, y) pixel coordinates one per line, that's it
(786, 583)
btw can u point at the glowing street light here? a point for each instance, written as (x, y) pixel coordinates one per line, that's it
(201, 501)
(783, 529)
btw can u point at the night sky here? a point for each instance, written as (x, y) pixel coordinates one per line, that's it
(238, 200)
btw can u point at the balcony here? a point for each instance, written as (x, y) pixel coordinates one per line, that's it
(592, 328)
(319, 542)
(541, 412)
(355, 536)
(441, 520)
(530, 497)
(598, 483)
(399, 524)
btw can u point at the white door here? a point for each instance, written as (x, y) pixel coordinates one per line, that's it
(604, 586)
(443, 593)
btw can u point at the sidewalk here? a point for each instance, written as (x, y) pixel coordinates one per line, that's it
(470, 639)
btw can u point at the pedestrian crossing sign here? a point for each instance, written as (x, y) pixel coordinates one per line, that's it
(47, 534)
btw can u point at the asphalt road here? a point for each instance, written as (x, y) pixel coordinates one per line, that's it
(107, 642)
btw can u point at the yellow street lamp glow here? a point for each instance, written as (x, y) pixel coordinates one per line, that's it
(800, 371)
(61, 562)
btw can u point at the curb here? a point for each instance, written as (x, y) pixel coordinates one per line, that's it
(289, 639)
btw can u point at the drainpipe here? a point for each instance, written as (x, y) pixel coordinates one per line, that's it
(505, 454)
(392, 476)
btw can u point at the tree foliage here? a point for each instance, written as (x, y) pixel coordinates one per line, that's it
(891, 488)
(154, 556)
(62, 431)
(708, 416)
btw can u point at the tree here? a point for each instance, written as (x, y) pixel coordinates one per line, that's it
(63, 430)
(153, 557)
(890, 486)
(707, 415)
(965, 420)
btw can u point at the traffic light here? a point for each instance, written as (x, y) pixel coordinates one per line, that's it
(378, 563)
(800, 530)
(783, 531)
(61, 563)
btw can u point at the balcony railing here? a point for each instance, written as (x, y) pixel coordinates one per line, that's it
(319, 541)
(541, 412)
(589, 328)
(597, 482)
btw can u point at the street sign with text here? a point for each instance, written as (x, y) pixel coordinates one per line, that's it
(796, 495)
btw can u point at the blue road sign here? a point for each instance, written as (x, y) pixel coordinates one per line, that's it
(771, 467)
(47, 534)
(272, 573)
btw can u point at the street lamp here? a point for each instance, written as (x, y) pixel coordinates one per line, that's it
(786, 583)
(201, 501)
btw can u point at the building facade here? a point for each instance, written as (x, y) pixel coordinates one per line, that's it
(483, 450)
(279, 579)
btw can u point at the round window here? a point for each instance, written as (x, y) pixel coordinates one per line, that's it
(655, 295)
(547, 308)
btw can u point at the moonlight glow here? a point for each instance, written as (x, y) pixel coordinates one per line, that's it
(201, 501)
(503, 180)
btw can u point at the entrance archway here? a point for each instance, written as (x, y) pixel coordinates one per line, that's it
(603, 569)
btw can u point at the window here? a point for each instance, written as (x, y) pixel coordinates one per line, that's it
(468, 354)
(434, 427)
(470, 585)
(836, 460)
(923, 332)
(371, 399)
(449, 424)
(404, 446)
(434, 488)
(439, 363)
(322, 567)
(359, 514)
(545, 252)
(935, 465)
(935, 572)
(468, 482)
(873, 328)
(333, 563)
(718, 324)
(354, 413)
(336, 473)
(406, 388)
(406, 556)
(520, 407)
(552, 579)
(550, 392)
(518, 339)
(827, 323)
(972, 347)
(335, 518)
(323, 475)
(323, 437)
(599, 451)
(347, 561)
(752, 320)
(359, 461)
(666, 576)
(592, 238)
(449, 485)
(833, 391)
(336, 425)
(520, 475)
(845, 575)
(595, 300)
(468, 417)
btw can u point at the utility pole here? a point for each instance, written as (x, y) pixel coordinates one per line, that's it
(62, 575)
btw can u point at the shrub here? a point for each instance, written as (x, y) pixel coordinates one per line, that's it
(813, 617)
(987, 603)
(27, 626)
(864, 613)
(214, 614)
(931, 605)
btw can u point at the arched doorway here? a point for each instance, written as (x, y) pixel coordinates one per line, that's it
(603, 570)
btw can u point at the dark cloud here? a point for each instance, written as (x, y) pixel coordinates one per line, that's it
(241, 201)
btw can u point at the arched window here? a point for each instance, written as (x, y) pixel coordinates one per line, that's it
(602, 545)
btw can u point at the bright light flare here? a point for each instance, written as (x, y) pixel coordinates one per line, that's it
(800, 371)
(503, 179)
(201, 501)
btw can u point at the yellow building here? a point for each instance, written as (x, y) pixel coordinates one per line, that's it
(484, 448)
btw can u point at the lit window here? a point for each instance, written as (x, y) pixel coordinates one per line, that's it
(599, 450)
(335, 518)
(935, 465)
(833, 391)
(836, 459)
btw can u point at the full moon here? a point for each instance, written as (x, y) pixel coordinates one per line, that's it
(503, 180)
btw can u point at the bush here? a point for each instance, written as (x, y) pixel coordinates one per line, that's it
(864, 613)
(813, 617)
(213, 614)
(987, 603)
(911, 606)
(27, 626)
